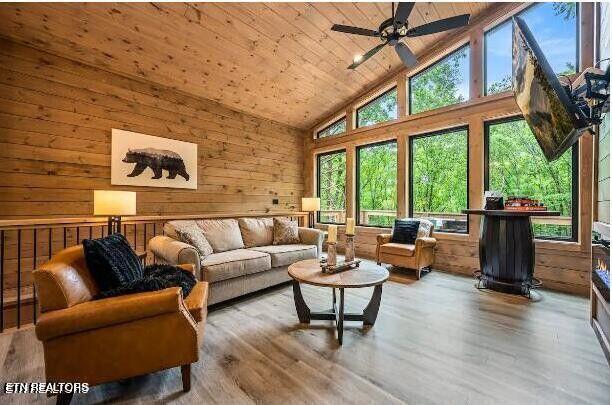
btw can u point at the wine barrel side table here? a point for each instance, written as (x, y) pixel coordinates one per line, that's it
(506, 249)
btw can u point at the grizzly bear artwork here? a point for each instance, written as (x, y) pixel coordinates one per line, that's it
(157, 160)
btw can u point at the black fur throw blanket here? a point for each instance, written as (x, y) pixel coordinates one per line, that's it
(156, 277)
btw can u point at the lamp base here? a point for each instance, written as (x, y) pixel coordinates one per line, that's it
(311, 219)
(114, 225)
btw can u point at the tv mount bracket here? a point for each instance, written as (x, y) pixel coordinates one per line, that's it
(592, 94)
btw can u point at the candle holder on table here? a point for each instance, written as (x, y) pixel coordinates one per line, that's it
(331, 265)
(349, 251)
(332, 256)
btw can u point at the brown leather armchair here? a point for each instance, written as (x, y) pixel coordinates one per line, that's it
(98, 341)
(418, 256)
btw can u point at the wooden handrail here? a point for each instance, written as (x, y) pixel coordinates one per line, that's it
(34, 223)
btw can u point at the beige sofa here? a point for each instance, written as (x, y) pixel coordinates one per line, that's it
(237, 256)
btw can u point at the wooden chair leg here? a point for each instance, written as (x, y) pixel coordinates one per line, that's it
(418, 273)
(186, 376)
(64, 398)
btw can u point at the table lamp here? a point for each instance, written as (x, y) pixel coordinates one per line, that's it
(311, 205)
(114, 204)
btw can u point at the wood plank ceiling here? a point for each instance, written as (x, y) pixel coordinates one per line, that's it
(275, 60)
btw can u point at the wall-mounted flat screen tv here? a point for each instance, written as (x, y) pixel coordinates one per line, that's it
(553, 118)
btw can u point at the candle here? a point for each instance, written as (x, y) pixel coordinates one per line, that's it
(332, 233)
(350, 226)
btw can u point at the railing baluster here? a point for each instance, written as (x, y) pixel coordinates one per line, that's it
(64, 237)
(50, 247)
(135, 243)
(90, 231)
(78, 235)
(1, 281)
(34, 268)
(18, 278)
(144, 237)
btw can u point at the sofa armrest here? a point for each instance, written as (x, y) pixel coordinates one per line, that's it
(172, 251)
(425, 242)
(102, 313)
(311, 236)
(383, 238)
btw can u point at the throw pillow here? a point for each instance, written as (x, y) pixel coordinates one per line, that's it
(285, 232)
(111, 261)
(190, 233)
(405, 231)
(156, 277)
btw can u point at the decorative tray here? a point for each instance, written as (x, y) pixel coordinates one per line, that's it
(327, 269)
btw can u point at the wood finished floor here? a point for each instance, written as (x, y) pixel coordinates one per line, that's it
(436, 341)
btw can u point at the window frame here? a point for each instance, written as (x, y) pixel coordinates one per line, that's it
(358, 184)
(411, 139)
(409, 84)
(575, 177)
(318, 157)
(318, 133)
(485, 93)
(381, 95)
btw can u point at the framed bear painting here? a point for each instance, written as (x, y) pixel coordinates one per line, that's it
(152, 161)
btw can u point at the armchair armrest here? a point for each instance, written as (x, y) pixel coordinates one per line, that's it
(106, 312)
(310, 236)
(425, 242)
(383, 238)
(174, 252)
(188, 267)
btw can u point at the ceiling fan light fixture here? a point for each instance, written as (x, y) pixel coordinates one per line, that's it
(357, 58)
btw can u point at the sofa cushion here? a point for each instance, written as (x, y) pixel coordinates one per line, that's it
(285, 232)
(284, 255)
(399, 249)
(190, 233)
(222, 234)
(234, 263)
(256, 231)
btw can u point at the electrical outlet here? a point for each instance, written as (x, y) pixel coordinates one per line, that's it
(275, 201)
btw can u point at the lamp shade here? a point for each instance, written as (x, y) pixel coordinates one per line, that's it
(114, 203)
(311, 204)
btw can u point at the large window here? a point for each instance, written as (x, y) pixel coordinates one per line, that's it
(331, 187)
(377, 184)
(335, 128)
(517, 167)
(439, 179)
(446, 82)
(554, 28)
(382, 108)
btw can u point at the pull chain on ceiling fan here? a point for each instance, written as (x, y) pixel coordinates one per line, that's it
(393, 29)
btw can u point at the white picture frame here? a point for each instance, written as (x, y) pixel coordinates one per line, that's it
(152, 161)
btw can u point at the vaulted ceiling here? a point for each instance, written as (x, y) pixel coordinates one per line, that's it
(275, 60)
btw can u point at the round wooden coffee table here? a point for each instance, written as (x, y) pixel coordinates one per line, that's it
(366, 275)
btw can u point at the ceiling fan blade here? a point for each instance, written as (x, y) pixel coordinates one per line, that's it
(405, 54)
(367, 55)
(439, 26)
(402, 13)
(355, 30)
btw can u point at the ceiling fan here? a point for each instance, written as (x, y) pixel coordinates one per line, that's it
(393, 29)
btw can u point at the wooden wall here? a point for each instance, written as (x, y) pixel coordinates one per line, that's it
(563, 266)
(56, 117)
